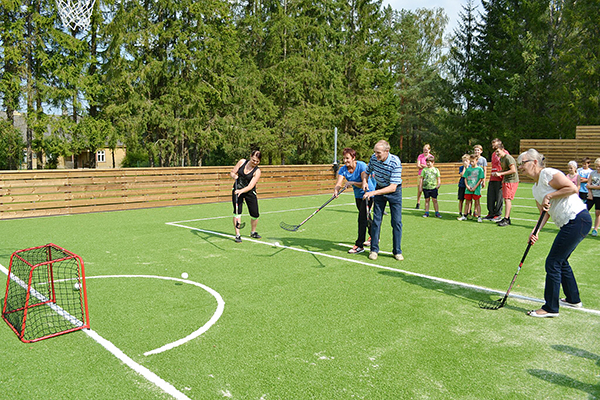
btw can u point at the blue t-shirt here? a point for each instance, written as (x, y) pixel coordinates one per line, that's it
(356, 177)
(461, 181)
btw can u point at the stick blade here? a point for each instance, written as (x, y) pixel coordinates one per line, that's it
(240, 226)
(288, 227)
(492, 304)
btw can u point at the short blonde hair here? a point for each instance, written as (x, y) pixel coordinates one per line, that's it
(478, 146)
(465, 157)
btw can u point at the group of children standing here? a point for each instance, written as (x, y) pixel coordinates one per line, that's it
(472, 176)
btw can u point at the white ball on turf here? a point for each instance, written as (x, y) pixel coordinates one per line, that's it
(276, 244)
(78, 286)
(184, 275)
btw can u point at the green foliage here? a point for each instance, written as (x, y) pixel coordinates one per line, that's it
(11, 146)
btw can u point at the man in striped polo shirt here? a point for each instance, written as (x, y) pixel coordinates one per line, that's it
(387, 170)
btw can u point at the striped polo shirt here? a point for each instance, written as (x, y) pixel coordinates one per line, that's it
(386, 172)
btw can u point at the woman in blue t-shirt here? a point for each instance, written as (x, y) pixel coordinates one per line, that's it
(351, 170)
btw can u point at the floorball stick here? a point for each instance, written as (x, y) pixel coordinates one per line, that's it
(294, 228)
(494, 305)
(238, 225)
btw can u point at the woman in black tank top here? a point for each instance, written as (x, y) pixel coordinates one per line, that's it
(246, 174)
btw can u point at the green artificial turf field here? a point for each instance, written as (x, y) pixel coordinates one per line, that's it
(306, 320)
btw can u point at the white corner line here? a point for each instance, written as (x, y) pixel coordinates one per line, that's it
(432, 278)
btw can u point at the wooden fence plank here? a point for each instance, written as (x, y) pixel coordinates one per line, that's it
(56, 192)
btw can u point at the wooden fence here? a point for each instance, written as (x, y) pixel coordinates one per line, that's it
(57, 192)
(559, 152)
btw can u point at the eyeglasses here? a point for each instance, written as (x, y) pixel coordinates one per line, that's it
(524, 162)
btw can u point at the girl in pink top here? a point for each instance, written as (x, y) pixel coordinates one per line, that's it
(573, 175)
(422, 163)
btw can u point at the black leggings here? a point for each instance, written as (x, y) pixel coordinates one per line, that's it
(362, 220)
(251, 202)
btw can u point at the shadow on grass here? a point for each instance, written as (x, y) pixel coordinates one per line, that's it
(471, 295)
(205, 236)
(566, 381)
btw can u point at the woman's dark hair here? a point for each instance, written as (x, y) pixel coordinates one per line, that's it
(255, 153)
(350, 151)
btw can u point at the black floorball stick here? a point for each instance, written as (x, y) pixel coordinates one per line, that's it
(238, 225)
(369, 218)
(294, 228)
(494, 305)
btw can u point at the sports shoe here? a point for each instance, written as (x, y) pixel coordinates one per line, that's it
(373, 255)
(438, 215)
(238, 239)
(426, 215)
(594, 232)
(565, 303)
(534, 313)
(399, 257)
(504, 222)
(489, 217)
(367, 242)
(479, 219)
(462, 218)
(417, 206)
(497, 218)
(255, 235)
(356, 250)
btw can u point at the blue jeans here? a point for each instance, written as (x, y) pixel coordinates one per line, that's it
(395, 200)
(558, 270)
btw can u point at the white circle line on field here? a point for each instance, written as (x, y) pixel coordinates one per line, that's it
(354, 261)
(217, 314)
(143, 371)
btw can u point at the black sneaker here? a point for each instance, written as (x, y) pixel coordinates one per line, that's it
(255, 235)
(238, 239)
(504, 222)
(417, 206)
(488, 217)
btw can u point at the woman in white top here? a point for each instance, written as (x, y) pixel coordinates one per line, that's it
(557, 195)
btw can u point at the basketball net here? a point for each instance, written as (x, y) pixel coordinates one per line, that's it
(75, 13)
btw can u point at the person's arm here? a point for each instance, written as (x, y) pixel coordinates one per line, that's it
(533, 236)
(563, 188)
(419, 165)
(236, 168)
(386, 190)
(439, 180)
(578, 183)
(484, 175)
(338, 185)
(511, 170)
(251, 185)
(365, 181)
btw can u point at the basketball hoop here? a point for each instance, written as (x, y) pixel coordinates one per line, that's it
(75, 13)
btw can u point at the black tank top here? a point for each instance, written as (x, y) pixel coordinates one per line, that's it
(243, 178)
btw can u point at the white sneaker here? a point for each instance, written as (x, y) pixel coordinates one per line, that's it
(462, 218)
(564, 303)
(479, 219)
(373, 255)
(399, 257)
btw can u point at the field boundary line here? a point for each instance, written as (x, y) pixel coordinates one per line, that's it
(428, 277)
(141, 370)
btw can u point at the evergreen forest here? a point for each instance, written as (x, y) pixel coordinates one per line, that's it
(201, 82)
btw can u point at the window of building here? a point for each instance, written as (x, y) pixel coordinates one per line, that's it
(101, 156)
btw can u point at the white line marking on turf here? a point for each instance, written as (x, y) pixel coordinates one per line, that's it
(432, 278)
(143, 371)
(266, 212)
(196, 333)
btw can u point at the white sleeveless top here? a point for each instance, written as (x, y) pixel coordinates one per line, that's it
(561, 210)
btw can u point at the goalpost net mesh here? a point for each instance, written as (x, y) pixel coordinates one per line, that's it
(75, 13)
(45, 293)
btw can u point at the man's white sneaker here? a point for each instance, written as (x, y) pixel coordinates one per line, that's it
(373, 255)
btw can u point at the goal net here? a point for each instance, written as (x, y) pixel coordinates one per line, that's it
(45, 293)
